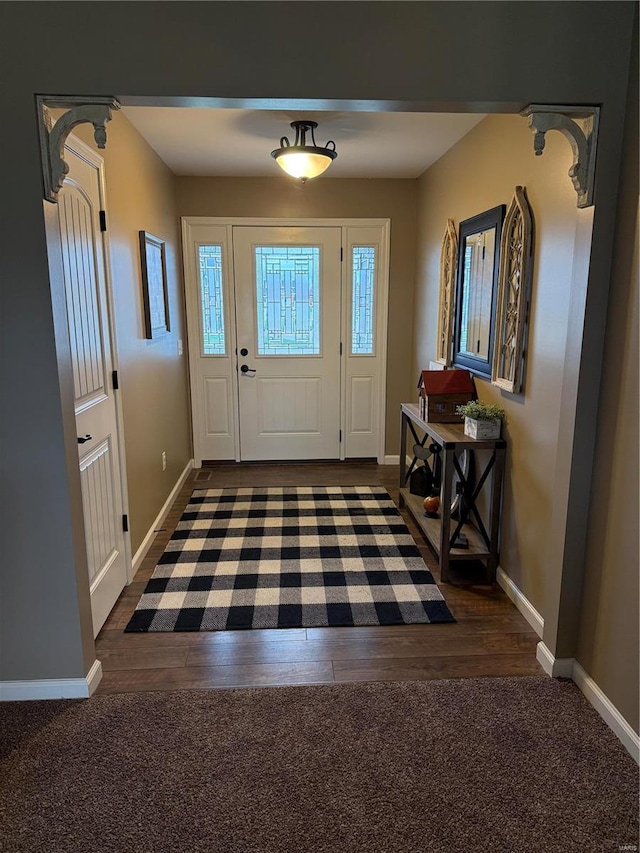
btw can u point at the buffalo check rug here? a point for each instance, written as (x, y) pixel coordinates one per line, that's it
(289, 557)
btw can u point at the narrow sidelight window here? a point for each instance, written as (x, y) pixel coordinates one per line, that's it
(363, 265)
(211, 300)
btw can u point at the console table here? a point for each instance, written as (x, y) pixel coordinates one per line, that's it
(442, 532)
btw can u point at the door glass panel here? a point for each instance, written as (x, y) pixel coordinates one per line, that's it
(211, 300)
(363, 265)
(288, 300)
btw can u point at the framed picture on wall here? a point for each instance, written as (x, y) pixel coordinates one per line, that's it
(154, 286)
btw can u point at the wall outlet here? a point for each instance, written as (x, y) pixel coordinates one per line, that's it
(164, 460)
(179, 346)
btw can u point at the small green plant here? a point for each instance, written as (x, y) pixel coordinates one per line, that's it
(480, 411)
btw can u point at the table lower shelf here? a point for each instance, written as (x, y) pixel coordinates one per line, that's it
(431, 528)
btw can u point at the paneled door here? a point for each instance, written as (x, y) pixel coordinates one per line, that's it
(288, 321)
(79, 205)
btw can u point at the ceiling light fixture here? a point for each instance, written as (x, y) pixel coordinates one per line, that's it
(301, 160)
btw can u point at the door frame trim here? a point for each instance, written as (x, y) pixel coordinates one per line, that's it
(302, 222)
(86, 153)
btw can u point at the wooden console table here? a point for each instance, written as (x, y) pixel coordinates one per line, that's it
(442, 532)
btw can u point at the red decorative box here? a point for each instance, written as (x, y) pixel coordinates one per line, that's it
(441, 391)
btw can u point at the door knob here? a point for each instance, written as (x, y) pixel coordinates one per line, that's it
(244, 351)
(83, 438)
(246, 369)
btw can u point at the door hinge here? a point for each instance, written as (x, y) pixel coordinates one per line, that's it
(103, 220)
(340, 347)
(114, 380)
(125, 523)
(340, 436)
(341, 254)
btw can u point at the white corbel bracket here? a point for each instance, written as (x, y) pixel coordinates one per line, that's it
(95, 110)
(580, 126)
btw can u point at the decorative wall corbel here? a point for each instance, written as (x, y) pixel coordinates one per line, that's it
(95, 110)
(448, 265)
(580, 126)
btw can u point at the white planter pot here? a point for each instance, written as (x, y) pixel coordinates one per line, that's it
(482, 429)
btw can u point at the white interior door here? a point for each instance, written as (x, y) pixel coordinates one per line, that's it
(79, 205)
(288, 303)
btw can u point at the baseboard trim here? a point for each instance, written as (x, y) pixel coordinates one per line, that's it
(52, 688)
(151, 534)
(570, 668)
(555, 667)
(395, 460)
(521, 601)
(94, 677)
(608, 711)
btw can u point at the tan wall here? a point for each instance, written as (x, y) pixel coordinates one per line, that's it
(495, 49)
(332, 198)
(608, 640)
(153, 378)
(481, 172)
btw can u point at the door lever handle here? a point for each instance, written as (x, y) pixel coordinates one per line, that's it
(246, 369)
(83, 438)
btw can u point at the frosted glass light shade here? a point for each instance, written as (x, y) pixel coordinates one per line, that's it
(301, 160)
(301, 164)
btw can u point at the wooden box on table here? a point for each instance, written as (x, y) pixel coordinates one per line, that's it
(441, 391)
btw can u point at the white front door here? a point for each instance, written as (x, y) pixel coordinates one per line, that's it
(79, 205)
(288, 303)
(309, 329)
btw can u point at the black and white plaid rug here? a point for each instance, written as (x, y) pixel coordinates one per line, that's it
(289, 557)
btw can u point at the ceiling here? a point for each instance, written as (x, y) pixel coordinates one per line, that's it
(238, 142)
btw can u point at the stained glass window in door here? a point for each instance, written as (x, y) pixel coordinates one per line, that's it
(363, 265)
(211, 300)
(288, 300)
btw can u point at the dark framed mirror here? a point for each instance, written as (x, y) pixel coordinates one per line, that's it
(476, 291)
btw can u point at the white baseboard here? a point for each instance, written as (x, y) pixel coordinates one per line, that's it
(570, 668)
(52, 688)
(151, 535)
(395, 460)
(521, 602)
(555, 667)
(608, 711)
(94, 676)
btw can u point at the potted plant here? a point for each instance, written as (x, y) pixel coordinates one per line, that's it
(481, 420)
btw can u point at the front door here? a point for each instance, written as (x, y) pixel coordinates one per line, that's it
(288, 302)
(287, 337)
(79, 205)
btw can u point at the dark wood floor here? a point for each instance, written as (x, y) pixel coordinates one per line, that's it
(490, 637)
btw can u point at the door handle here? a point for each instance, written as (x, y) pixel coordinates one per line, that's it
(246, 369)
(83, 438)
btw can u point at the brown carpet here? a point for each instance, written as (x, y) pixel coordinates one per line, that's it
(520, 765)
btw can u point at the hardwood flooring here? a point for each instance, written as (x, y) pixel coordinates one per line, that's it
(490, 637)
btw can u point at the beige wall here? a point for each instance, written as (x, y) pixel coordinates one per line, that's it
(333, 198)
(153, 378)
(608, 640)
(479, 173)
(501, 55)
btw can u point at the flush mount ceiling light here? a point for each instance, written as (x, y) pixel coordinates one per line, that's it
(301, 160)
